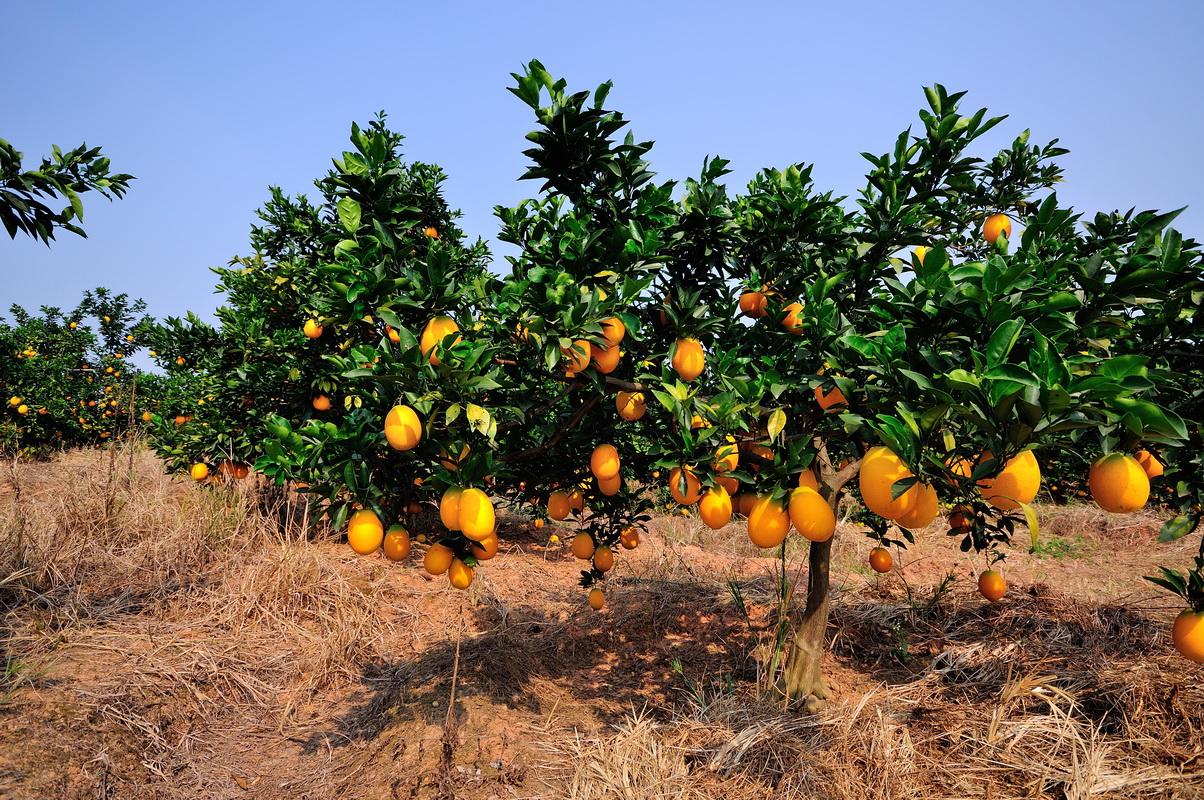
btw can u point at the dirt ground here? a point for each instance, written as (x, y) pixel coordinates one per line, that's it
(164, 640)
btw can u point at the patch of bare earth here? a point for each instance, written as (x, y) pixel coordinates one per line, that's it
(165, 640)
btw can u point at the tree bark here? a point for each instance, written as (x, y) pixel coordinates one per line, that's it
(802, 679)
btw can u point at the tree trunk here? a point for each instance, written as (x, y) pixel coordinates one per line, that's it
(802, 678)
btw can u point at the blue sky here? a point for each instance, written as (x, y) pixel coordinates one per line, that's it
(209, 103)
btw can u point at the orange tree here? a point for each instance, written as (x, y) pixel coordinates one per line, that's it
(64, 375)
(765, 354)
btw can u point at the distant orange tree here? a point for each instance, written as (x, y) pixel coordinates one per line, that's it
(921, 347)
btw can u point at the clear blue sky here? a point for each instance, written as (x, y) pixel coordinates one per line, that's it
(209, 103)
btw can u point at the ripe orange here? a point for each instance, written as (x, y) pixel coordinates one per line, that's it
(24, 409)
(486, 548)
(147, 416)
(321, 403)
(1018, 482)
(578, 355)
(995, 226)
(811, 515)
(1188, 634)
(476, 516)
(880, 470)
(808, 479)
(437, 559)
(727, 456)
(459, 574)
(403, 429)
(539, 523)
(604, 461)
(312, 329)
(744, 503)
(558, 505)
(613, 331)
(582, 546)
(449, 508)
(829, 400)
(180, 361)
(991, 585)
(396, 544)
(1118, 483)
(606, 358)
(430, 232)
(630, 405)
(629, 538)
(610, 486)
(752, 304)
(365, 532)
(688, 359)
(715, 508)
(792, 319)
(576, 500)
(199, 472)
(393, 335)
(880, 560)
(730, 484)
(768, 522)
(693, 487)
(596, 599)
(697, 422)
(920, 507)
(961, 519)
(436, 330)
(604, 559)
(1150, 463)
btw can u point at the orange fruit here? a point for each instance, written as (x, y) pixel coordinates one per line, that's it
(459, 574)
(920, 507)
(438, 559)
(365, 532)
(811, 515)
(880, 560)
(768, 522)
(393, 335)
(991, 585)
(596, 599)
(576, 500)
(312, 329)
(1018, 482)
(147, 416)
(539, 523)
(613, 331)
(604, 461)
(1150, 463)
(792, 318)
(610, 486)
(199, 472)
(396, 544)
(558, 505)
(321, 403)
(829, 400)
(752, 304)
(715, 508)
(486, 548)
(880, 470)
(744, 503)
(630, 405)
(582, 546)
(430, 232)
(995, 226)
(476, 515)
(730, 484)
(629, 538)
(727, 456)
(688, 359)
(437, 329)
(1188, 634)
(961, 519)
(449, 508)
(808, 479)
(403, 429)
(606, 358)
(693, 487)
(604, 559)
(578, 355)
(1118, 483)
(697, 422)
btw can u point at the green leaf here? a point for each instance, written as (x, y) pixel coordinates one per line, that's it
(777, 422)
(1178, 527)
(349, 214)
(1002, 341)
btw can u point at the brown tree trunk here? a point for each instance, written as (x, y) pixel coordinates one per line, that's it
(802, 678)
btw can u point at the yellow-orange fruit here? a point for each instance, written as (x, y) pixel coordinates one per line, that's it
(715, 508)
(1118, 483)
(485, 549)
(437, 559)
(807, 479)
(880, 560)
(995, 226)
(475, 514)
(920, 507)
(403, 429)
(613, 331)
(1018, 482)
(768, 522)
(610, 486)
(436, 330)
(1188, 634)
(752, 304)
(730, 484)
(606, 358)
(811, 515)
(604, 461)
(396, 544)
(558, 505)
(630, 405)
(312, 329)
(576, 500)
(1150, 463)
(596, 599)
(578, 356)
(727, 456)
(321, 403)
(430, 232)
(199, 472)
(991, 585)
(604, 559)
(393, 335)
(792, 318)
(459, 574)
(688, 359)
(629, 538)
(830, 400)
(880, 470)
(744, 503)
(582, 546)
(692, 487)
(365, 532)
(147, 416)
(449, 508)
